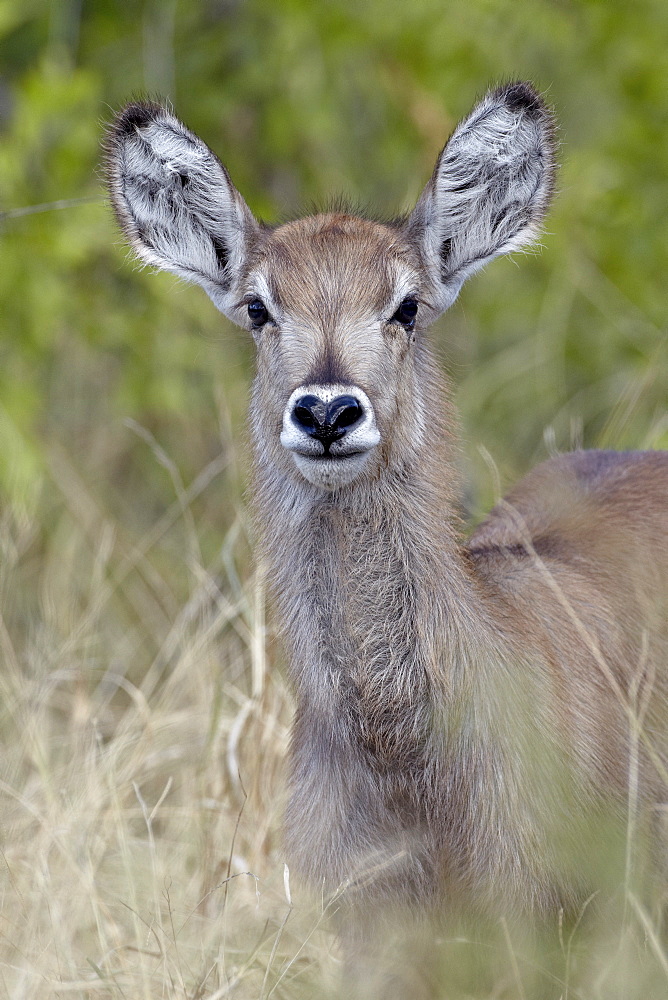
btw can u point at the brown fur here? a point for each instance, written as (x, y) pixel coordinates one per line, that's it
(473, 720)
(460, 707)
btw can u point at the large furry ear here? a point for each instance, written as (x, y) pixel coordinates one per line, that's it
(175, 201)
(490, 188)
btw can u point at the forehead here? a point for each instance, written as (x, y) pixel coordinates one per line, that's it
(334, 258)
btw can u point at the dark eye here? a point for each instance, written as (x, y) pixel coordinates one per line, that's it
(406, 313)
(257, 313)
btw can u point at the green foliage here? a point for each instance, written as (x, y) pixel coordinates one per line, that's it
(305, 101)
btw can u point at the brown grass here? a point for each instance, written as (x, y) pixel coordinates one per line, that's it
(144, 728)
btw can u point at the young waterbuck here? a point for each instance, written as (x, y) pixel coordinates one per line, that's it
(472, 718)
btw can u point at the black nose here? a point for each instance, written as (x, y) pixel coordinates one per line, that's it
(326, 421)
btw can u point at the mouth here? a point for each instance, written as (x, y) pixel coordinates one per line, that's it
(331, 471)
(327, 456)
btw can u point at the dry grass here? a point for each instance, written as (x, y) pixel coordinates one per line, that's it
(143, 744)
(144, 728)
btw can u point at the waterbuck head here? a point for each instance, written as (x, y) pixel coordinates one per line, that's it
(336, 304)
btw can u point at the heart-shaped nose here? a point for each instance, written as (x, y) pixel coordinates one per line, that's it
(326, 421)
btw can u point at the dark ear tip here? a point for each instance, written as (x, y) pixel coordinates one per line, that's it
(136, 115)
(521, 96)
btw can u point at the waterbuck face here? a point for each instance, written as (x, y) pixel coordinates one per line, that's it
(336, 304)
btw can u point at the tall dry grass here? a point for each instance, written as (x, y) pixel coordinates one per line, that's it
(144, 728)
(142, 750)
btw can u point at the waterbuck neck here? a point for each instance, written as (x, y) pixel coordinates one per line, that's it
(373, 590)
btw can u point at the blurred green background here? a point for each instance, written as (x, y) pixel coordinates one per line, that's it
(306, 100)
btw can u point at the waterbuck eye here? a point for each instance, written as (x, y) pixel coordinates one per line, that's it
(257, 313)
(406, 313)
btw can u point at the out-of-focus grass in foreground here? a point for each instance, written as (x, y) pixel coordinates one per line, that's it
(143, 730)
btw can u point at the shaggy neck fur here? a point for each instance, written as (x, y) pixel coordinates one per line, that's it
(372, 586)
(378, 607)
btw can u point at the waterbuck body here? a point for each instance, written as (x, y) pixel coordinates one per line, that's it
(471, 717)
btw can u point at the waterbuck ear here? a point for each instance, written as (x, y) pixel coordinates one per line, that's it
(490, 188)
(175, 201)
